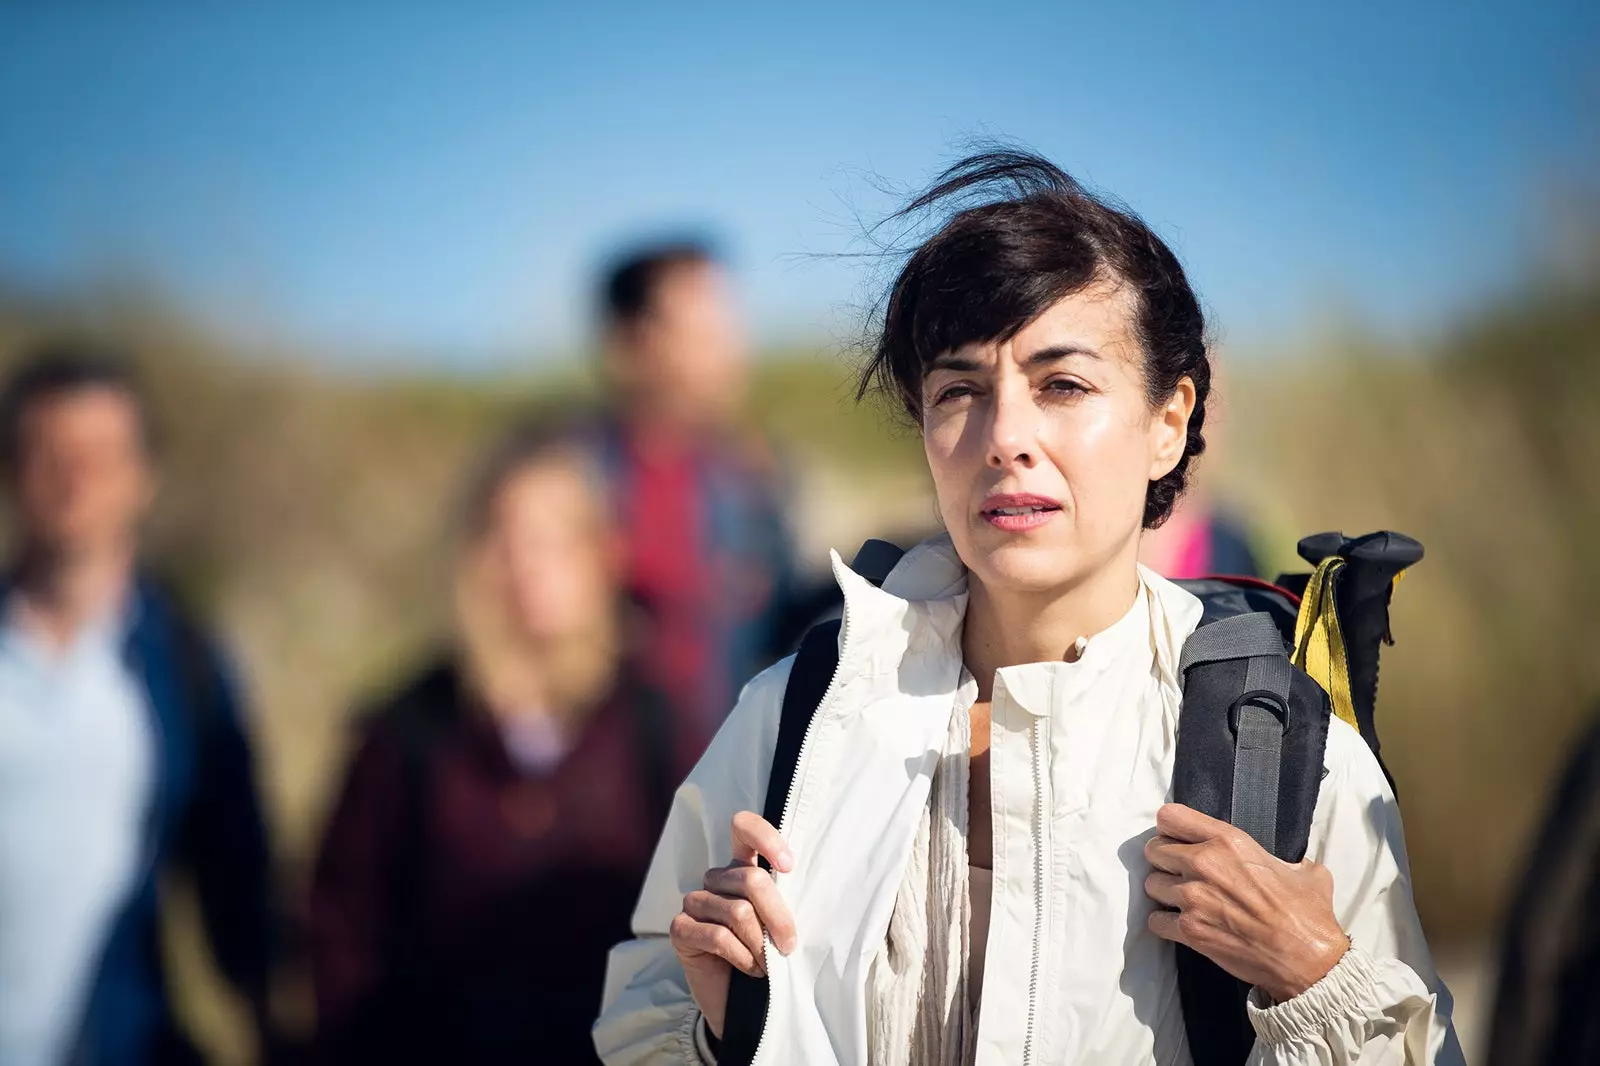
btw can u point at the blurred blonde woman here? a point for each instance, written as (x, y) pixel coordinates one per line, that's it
(978, 862)
(500, 810)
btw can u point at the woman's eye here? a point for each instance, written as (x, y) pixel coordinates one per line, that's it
(954, 392)
(1065, 385)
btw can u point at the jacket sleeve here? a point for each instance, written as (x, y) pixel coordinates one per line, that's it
(1383, 1003)
(226, 843)
(351, 923)
(647, 1014)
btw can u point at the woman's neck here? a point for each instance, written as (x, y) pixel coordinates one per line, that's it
(560, 680)
(1007, 628)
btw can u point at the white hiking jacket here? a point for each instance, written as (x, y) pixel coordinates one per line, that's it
(1081, 758)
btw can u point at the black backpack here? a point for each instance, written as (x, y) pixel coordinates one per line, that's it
(1251, 733)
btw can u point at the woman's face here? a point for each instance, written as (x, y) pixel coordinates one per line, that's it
(547, 558)
(1041, 447)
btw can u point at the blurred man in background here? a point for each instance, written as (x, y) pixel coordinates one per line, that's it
(122, 753)
(502, 807)
(697, 495)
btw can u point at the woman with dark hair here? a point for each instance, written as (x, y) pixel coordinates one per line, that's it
(978, 862)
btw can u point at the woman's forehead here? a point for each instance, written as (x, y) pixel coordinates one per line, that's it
(557, 477)
(1096, 324)
(558, 487)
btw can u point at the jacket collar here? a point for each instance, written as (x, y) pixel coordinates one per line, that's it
(920, 609)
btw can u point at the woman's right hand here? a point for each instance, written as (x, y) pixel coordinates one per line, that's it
(722, 925)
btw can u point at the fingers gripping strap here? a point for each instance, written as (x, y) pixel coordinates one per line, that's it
(1259, 717)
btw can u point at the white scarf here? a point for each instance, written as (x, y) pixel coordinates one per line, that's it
(917, 1007)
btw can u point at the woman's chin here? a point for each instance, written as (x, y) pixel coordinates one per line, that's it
(1026, 568)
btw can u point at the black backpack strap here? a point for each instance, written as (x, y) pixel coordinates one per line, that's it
(809, 678)
(814, 666)
(1251, 738)
(654, 739)
(813, 670)
(1257, 718)
(875, 559)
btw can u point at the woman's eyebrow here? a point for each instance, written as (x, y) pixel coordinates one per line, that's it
(965, 364)
(1058, 352)
(961, 364)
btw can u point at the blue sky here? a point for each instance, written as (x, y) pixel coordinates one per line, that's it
(438, 182)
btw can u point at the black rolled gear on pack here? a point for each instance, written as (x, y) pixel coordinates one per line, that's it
(1362, 589)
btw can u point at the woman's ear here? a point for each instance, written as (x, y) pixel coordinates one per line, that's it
(1169, 430)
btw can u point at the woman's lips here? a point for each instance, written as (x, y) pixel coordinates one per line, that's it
(1019, 512)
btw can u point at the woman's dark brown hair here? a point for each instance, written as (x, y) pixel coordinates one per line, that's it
(528, 443)
(1024, 235)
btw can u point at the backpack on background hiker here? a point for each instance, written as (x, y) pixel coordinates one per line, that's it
(1261, 675)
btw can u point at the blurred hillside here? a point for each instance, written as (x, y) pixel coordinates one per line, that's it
(306, 509)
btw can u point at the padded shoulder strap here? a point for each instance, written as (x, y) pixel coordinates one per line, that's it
(814, 666)
(1257, 717)
(1251, 740)
(875, 559)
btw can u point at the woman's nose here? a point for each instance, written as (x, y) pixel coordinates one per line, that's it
(1013, 432)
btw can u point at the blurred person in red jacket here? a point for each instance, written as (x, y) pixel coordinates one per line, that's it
(696, 493)
(524, 773)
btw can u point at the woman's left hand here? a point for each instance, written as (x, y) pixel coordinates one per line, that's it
(1266, 921)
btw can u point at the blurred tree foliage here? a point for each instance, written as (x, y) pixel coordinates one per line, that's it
(1540, 349)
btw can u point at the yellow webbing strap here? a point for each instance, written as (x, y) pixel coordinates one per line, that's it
(1319, 644)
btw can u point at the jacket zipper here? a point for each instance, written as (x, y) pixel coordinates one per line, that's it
(788, 807)
(1038, 888)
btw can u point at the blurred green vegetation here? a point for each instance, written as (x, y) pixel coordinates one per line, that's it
(307, 509)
